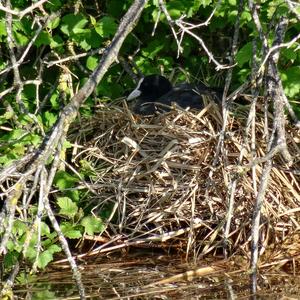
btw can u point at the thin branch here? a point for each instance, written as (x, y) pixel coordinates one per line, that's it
(275, 48)
(209, 54)
(74, 57)
(206, 23)
(186, 27)
(233, 184)
(171, 22)
(24, 12)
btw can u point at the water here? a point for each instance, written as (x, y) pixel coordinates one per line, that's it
(130, 277)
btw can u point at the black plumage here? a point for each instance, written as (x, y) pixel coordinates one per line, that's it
(155, 93)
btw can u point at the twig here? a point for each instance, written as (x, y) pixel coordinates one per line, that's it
(27, 82)
(205, 23)
(275, 48)
(171, 22)
(209, 54)
(74, 57)
(186, 27)
(24, 12)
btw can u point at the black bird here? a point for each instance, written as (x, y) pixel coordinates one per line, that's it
(155, 93)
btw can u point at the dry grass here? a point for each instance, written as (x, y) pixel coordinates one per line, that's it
(157, 176)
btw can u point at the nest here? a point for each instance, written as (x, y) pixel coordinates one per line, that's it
(163, 185)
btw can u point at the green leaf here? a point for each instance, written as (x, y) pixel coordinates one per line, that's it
(54, 5)
(35, 139)
(5, 159)
(15, 134)
(31, 252)
(243, 74)
(50, 118)
(54, 23)
(21, 39)
(153, 49)
(85, 45)
(291, 82)
(15, 245)
(116, 8)
(92, 224)
(67, 207)
(93, 21)
(73, 194)
(7, 116)
(73, 234)
(56, 41)
(3, 64)
(19, 228)
(106, 27)
(54, 249)
(2, 28)
(67, 145)
(64, 180)
(73, 23)
(205, 3)
(92, 62)
(44, 38)
(22, 30)
(45, 230)
(19, 149)
(70, 231)
(232, 15)
(81, 32)
(289, 53)
(46, 243)
(176, 8)
(86, 168)
(44, 259)
(10, 259)
(54, 100)
(246, 16)
(244, 55)
(278, 7)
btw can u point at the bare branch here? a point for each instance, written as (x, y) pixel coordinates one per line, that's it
(171, 22)
(186, 27)
(24, 12)
(74, 57)
(274, 48)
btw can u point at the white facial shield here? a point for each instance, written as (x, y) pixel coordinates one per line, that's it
(136, 92)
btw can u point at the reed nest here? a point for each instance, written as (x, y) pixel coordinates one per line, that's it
(163, 186)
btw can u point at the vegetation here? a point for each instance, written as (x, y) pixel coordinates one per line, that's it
(62, 60)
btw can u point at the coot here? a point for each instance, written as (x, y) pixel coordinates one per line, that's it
(155, 93)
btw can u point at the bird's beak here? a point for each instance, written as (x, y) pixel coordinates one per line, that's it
(134, 94)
